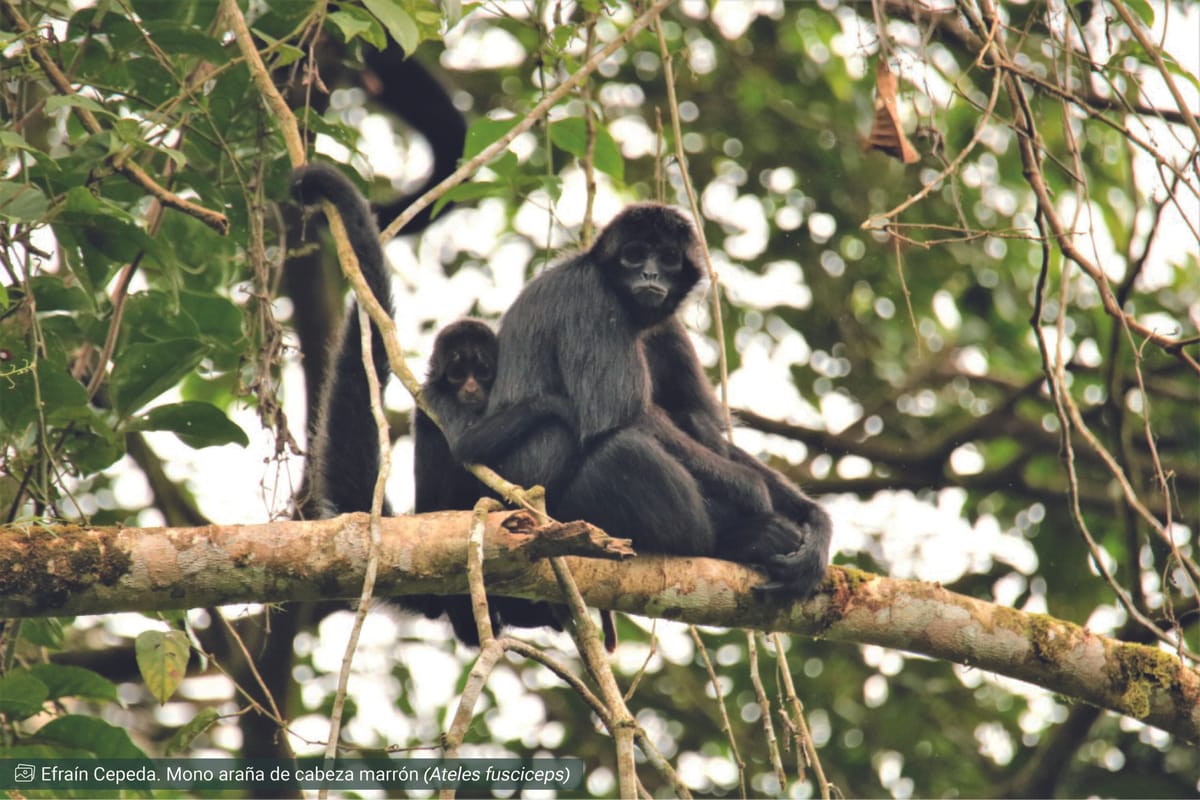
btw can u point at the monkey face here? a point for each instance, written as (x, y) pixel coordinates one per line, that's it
(651, 271)
(471, 378)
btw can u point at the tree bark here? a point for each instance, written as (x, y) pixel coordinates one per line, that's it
(69, 569)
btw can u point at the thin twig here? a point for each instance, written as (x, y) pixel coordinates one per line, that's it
(726, 725)
(479, 600)
(262, 81)
(694, 205)
(1152, 50)
(800, 726)
(764, 706)
(119, 162)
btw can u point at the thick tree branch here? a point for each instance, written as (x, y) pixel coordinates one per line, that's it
(67, 569)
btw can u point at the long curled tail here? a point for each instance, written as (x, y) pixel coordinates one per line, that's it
(344, 455)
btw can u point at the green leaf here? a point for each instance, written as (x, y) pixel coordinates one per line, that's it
(483, 132)
(571, 135)
(96, 147)
(454, 12)
(20, 202)
(117, 31)
(197, 424)
(97, 224)
(154, 316)
(353, 22)
(184, 737)
(147, 369)
(43, 631)
(399, 24)
(286, 54)
(15, 141)
(162, 658)
(90, 735)
(1143, 9)
(506, 165)
(21, 695)
(55, 294)
(152, 80)
(609, 159)
(219, 319)
(180, 37)
(64, 680)
(27, 384)
(90, 443)
(60, 101)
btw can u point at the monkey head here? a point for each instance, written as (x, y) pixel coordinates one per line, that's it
(649, 254)
(463, 364)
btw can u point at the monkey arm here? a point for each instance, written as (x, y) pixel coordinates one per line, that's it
(680, 387)
(736, 483)
(492, 437)
(406, 86)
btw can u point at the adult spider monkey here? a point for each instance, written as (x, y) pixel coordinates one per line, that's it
(344, 459)
(644, 458)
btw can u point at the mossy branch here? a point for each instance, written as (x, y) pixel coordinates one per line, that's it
(62, 570)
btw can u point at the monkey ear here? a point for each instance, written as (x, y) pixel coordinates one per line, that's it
(689, 239)
(605, 248)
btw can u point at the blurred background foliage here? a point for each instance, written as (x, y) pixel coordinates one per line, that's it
(889, 362)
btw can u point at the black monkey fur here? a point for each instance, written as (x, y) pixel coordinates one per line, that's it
(345, 451)
(640, 466)
(681, 389)
(345, 447)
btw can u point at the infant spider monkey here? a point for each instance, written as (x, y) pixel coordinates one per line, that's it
(462, 370)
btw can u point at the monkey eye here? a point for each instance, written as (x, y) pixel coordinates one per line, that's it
(484, 372)
(634, 254)
(670, 258)
(457, 372)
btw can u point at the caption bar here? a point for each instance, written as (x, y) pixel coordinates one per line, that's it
(303, 773)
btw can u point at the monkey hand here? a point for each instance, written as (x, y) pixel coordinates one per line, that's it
(797, 573)
(801, 570)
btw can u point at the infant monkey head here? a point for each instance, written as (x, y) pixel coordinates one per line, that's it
(463, 363)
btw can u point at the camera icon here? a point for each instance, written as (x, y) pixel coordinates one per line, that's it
(24, 773)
